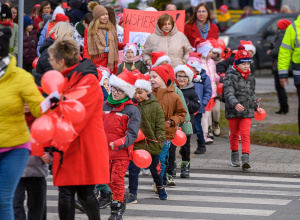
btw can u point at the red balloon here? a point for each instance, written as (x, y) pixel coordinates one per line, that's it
(260, 116)
(37, 149)
(34, 63)
(42, 129)
(179, 139)
(221, 43)
(220, 88)
(140, 136)
(52, 81)
(141, 158)
(73, 110)
(63, 131)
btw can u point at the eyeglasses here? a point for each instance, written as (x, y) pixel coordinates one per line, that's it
(182, 77)
(113, 90)
(201, 12)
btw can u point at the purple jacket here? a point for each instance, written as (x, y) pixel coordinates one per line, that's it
(29, 46)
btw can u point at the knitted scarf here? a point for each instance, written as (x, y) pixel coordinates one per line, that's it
(244, 74)
(80, 28)
(111, 101)
(7, 23)
(97, 43)
(202, 27)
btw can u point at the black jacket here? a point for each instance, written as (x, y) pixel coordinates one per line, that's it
(43, 64)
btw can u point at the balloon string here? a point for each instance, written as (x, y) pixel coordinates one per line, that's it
(258, 100)
(158, 141)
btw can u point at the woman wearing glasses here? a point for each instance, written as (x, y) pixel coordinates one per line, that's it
(200, 25)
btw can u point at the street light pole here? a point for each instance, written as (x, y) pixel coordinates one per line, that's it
(20, 32)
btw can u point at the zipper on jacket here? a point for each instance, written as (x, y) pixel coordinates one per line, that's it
(246, 101)
(167, 45)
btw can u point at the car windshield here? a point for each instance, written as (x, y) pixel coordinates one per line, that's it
(249, 25)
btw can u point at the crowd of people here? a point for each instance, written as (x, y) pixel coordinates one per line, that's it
(179, 81)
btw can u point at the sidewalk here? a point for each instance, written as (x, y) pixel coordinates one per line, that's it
(262, 159)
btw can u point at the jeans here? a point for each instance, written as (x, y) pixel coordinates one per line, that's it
(86, 196)
(133, 177)
(36, 198)
(12, 164)
(198, 128)
(164, 156)
(155, 169)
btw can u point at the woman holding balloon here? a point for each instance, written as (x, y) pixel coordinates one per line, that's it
(17, 87)
(78, 142)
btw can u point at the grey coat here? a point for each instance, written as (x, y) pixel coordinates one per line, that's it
(35, 168)
(237, 90)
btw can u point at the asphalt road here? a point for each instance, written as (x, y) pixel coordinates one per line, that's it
(221, 196)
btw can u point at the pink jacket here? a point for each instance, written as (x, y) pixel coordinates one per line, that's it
(209, 66)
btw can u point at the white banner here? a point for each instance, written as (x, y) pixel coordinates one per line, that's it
(260, 5)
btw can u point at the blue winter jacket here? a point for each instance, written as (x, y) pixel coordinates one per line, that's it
(203, 90)
(42, 38)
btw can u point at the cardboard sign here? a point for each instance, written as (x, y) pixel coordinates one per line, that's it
(138, 25)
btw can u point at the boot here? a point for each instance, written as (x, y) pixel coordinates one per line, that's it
(207, 139)
(116, 210)
(104, 199)
(201, 149)
(78, 206)
(210, 132)
(217, 130)
(283, 109)
(185, 169)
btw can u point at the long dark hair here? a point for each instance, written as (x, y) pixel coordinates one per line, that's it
(111, 15)
(194, 17)
(43, 4)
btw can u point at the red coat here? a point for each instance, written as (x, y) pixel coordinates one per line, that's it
(86, 160)
(192, 32)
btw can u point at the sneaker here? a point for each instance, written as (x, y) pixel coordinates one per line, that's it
(217, 129)
(146, 172)
(162, 193)
(123, 206)
(154, 188)
(78, 206)
(127, 173)
(210, 132)
(116, 211)
(104, 199)
(234, 159)
(245, 162)
(207, 139)
(170, 181)
(132, 199)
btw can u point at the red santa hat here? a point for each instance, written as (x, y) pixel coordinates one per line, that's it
(216, 47)
(187, 69)
(223, 8)
(142, 81)
(163, 72)
(158, 57)
(130, 46)
(124, 81)
(194, 60)
(203, 46)
(248, 46)
(120, 17)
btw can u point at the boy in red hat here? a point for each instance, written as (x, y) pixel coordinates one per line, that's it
(121, 119)
(240, 104)
(153, 127)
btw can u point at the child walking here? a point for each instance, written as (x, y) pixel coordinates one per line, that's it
(121, 124)
(203, 89)
(153, 127)
(173, 108)
(184, 75)
(209, 66)
(131, 60)
(240, 104)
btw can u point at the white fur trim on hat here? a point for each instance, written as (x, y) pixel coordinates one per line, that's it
(250, 47)
(194, 63)
(130, 47)
(128, 89)
(217, 50)
(186, 70)
(162, 59)
(143, 84)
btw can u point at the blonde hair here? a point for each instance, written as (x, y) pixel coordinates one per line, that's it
(62, 30)
(94, 26)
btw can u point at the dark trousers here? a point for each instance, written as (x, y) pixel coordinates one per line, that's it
(186, 149)
(133, 178)
(172, 159)
(28, 67)
(198, 128)
(281, 93)
(298, 92)
(66, 202)
(36, 198)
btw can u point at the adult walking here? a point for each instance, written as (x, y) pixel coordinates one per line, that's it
(167, 38)
(200, 25)
(102, 39)
(17, 87)
(289, 52)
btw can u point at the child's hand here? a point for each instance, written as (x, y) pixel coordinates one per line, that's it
(239, 107)
(26, 108)
(258, 110)
(112, 144)
(46, 158)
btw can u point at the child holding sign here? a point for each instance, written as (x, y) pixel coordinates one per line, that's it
(131, 60)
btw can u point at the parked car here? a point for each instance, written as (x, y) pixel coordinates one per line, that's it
(260, 29)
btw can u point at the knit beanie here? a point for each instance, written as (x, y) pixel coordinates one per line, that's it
(282, 24)
(5, 12)
(97, 10)
(27, 21)
(75, 4)
(62, 17)
(162, 71)
(5, 34)
(224, 9)
(242, 56)
(46, 18)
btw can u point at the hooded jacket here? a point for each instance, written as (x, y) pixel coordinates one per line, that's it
(175, 45)
(172, 107)
(203, 89)
(86, 159)
(238, 90)
(210, 67)
(152, 126)
(29, 47)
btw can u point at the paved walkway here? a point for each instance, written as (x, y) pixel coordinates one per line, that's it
(262, 159)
